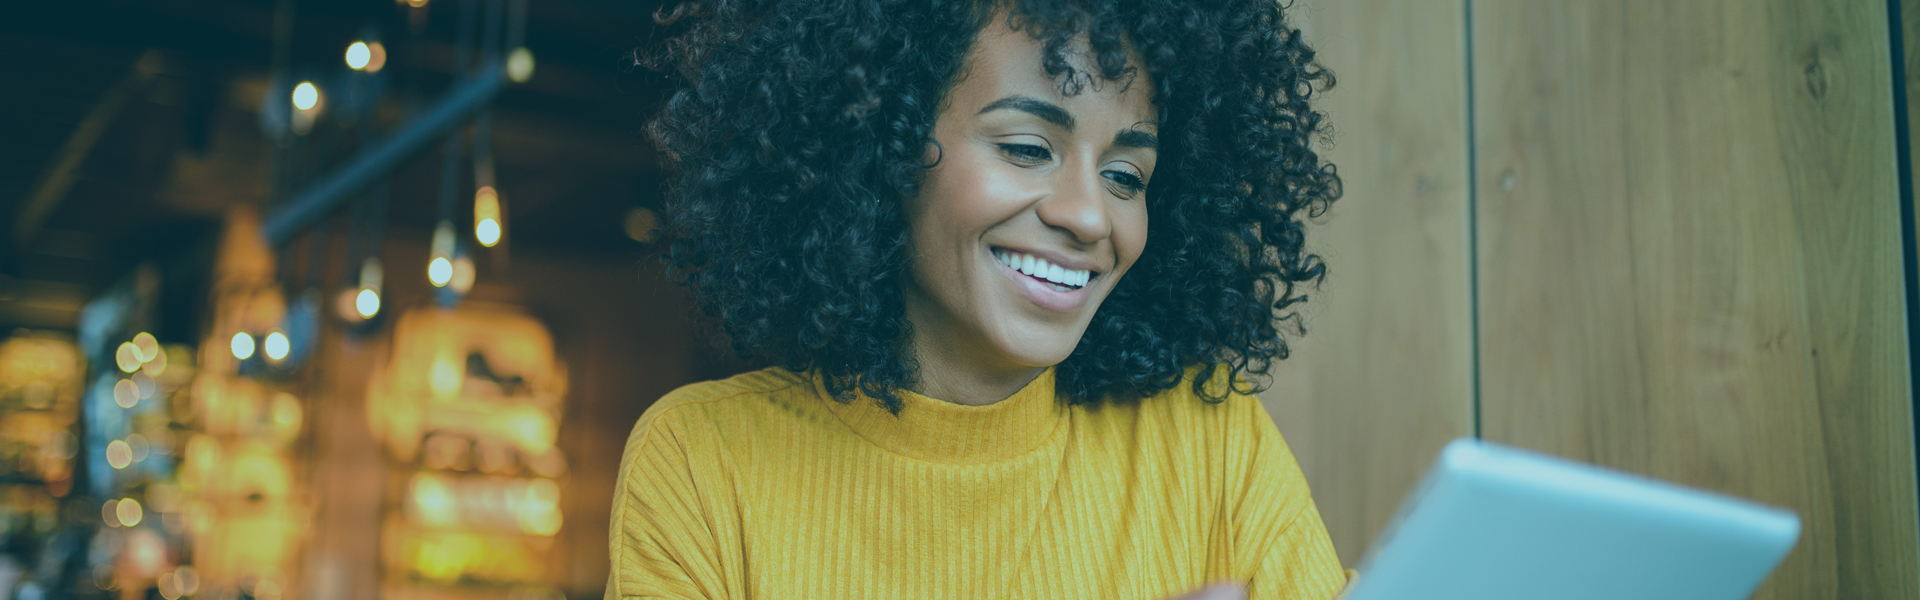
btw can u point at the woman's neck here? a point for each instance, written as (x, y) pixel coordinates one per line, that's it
(957, 371)
(971, 388)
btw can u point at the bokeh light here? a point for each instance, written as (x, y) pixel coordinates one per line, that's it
(358, 55)
(367, 302)
(119, 454)
(148, 347)
(127, 357)
(488, 232)
(440, 271)
(242, 346)
(126, 393)
(129, 512)
(305, 96)
(156, 366)
(276, 345)
(520, 65)
(463, 274)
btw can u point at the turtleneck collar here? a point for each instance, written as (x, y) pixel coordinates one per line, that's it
(939, 431)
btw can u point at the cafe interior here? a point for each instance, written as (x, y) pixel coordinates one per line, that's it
(343, 299)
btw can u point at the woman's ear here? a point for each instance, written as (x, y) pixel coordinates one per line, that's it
(934, 153)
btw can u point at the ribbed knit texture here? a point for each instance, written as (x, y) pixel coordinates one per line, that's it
(760, 486)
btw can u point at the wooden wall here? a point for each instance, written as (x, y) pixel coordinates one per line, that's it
(1677, 252)
(1383, 379)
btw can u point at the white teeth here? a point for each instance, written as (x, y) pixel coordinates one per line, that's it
(1039, 267)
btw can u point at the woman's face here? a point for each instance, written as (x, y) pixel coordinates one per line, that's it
(1035, 209)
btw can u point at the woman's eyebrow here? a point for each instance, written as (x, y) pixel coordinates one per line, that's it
(1048, 111)
(1137, 138)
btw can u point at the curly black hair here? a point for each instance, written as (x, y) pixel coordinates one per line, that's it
(803, 124)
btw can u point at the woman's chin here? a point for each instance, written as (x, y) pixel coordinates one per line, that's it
(1044, 350)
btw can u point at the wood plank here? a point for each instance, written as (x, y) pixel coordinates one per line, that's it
(1383, 379)
(1690, 261)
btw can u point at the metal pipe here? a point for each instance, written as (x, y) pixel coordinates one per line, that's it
(319, 198)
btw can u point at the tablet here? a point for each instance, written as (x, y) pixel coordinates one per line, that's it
(1492, 522)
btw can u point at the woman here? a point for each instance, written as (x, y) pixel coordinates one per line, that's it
(1020, 262)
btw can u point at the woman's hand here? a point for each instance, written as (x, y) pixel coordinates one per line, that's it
(1224, 591)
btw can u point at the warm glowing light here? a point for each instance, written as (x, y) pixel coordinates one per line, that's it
(433, 502)
(276, 345)
(306, 101)
(440, 271)
(109, 512)
(242, 345)
(140, 446)
(486, 216)
(539, 512)
(358, 56)
(286, 415)
(145, 385)
(463, 273)
(367, 302)
(148, 347)
(446, 376)
(488, 232)
(416, 3)
(440, 267)
(119, 454)
(189, 580)
(157, 366)
(305, 96)
(533, 430)
(128, 511)
(126, 393)
(376, 57)
(127, 357)
(169, 585)
(520, 65)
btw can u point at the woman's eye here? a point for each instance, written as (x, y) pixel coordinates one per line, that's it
(1130, 181)
(1027, 153)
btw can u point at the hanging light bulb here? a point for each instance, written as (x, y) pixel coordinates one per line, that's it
(440, 266)
(307, 103)
(486, 216)
(367, 301)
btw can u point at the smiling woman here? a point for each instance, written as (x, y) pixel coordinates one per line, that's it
(1021, 264)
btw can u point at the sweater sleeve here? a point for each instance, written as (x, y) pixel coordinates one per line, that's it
(1280, 540)
(662, 544)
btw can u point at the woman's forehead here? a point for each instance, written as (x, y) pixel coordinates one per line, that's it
(1006, 63)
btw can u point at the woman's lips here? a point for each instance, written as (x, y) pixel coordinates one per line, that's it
(1039, 292)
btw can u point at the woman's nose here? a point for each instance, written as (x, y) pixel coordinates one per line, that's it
(1078, 205)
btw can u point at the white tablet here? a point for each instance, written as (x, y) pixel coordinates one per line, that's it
(1492, 522)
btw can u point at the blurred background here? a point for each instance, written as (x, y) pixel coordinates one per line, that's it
(342, 299)
(357, 298)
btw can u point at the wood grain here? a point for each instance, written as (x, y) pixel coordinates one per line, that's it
(1690, 262)
(1383, 379)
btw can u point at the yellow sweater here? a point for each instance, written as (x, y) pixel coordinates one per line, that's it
(759, 486)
